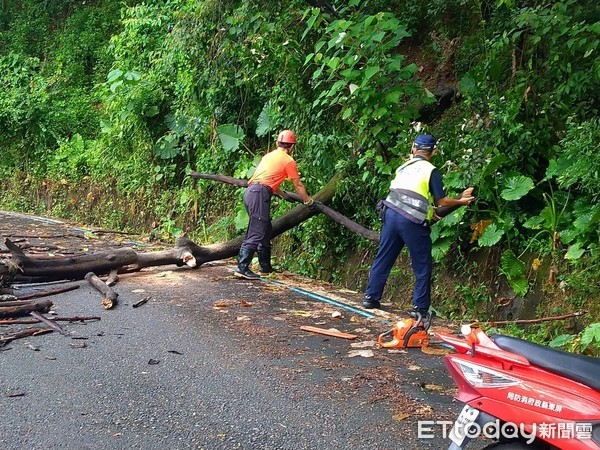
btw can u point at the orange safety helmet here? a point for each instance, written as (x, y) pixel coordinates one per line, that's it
(287, 137)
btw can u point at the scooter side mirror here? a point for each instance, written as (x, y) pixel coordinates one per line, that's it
(470, 334)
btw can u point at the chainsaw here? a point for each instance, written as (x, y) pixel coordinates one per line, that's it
(409, 333)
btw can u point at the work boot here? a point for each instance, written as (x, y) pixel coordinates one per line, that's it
(370, 302)
(264, 259)
(243, 269)
(419, 313)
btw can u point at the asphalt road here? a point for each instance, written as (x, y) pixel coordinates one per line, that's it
(212, 362)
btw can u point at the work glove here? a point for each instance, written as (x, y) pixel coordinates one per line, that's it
(310, 204)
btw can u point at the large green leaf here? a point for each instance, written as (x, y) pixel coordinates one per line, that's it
(512, 266)
(369, 73)
(166, 146)
(515, 270)
(561, 341)
(516, 188)
(591, 334)
(454, 218)
(575, 252)
(241, 220)
(493, 165)
(263, 124)
(490, 236)
(114, 75)
(468, 84)
(440, 248)
(231, 135)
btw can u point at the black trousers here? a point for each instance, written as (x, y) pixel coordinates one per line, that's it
(257, 200)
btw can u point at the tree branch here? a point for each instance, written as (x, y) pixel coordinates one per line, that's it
(324, 195)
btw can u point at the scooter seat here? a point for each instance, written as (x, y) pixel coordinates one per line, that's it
(580, 368)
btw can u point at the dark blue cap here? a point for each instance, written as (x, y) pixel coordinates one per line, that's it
(425, 141)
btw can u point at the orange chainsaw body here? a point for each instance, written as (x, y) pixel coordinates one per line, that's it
(406, 334)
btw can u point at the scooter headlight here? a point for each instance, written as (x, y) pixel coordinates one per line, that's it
(480, 376)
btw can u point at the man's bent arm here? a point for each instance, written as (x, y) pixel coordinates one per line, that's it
(465, 199)
(300, 189)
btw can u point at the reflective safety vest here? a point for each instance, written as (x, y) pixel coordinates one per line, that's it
(409, 192)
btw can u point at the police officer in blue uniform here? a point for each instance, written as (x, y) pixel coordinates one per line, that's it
(409, 210)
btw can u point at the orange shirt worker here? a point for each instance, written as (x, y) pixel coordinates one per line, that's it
(275, 167)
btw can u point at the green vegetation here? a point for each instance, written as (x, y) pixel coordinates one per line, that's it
(107, 105)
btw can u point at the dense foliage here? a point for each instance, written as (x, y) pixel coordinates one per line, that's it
(108, 104)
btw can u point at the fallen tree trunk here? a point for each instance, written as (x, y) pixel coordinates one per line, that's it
(74, 267)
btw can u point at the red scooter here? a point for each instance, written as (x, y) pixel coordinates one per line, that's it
(522, 394)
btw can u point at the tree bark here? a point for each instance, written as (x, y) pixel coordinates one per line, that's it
(42, 306)
(75, 266)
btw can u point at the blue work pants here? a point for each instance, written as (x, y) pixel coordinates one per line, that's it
(397, 232)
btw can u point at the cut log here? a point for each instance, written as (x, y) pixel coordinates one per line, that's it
(110, 296)
(42, 306)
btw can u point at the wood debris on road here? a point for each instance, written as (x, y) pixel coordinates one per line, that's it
(328, 332)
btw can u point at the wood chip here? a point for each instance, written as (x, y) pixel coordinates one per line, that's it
(433, 387)
(331, 332)
(400, 416)
(363, 353)
(362, 330)
(363, 344)
(223, 304)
